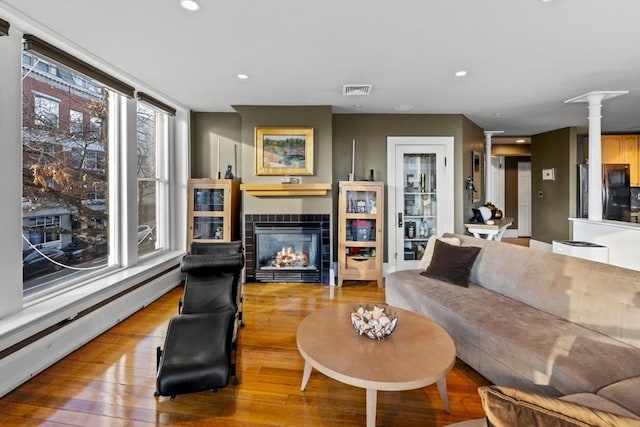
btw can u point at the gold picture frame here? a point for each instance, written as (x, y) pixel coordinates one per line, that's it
(284, 151)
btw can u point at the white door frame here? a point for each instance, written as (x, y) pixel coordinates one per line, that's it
(445, 216)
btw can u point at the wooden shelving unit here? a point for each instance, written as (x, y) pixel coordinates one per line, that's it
(360, 231)
(213, 211)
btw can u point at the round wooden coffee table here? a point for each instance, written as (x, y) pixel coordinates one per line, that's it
(418, 353)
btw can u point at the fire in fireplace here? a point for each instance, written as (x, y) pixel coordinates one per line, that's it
(287, 253)
(288, 257)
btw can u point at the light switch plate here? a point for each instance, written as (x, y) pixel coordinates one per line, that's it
(549, 174)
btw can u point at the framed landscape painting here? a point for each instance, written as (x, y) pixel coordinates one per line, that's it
(284, 151)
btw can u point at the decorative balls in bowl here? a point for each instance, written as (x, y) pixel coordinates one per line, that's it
(376, 323)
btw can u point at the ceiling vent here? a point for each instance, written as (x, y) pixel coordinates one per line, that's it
(350, 90)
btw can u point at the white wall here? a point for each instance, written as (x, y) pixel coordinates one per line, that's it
(11, 172)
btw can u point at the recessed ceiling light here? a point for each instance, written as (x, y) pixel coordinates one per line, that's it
(189, 4)
(461, 73)
(520, 141)
(243, 76)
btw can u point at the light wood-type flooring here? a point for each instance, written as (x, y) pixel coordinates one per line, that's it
(111, 380)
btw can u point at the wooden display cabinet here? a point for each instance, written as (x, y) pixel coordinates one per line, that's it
(360, 231)
(213, 211)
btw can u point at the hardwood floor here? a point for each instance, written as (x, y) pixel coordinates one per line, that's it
(111, 380)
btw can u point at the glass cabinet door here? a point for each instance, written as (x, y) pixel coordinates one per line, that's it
(208, 199)
(360, 223)
(207, 207)
(419, 203)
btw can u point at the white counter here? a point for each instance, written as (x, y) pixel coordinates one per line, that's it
(622, 239)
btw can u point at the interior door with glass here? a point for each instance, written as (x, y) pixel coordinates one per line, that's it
(420, 200)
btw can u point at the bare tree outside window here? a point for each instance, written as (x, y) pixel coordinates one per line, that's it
(65, 171)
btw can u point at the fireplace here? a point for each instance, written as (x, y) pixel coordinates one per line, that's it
(287, 253)
(287, 248)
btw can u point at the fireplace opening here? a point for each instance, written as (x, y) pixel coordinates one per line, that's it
(287, 253)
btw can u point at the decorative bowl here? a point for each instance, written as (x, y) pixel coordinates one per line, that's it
(376, 324)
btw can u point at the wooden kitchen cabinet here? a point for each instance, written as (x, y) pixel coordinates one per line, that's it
(612, 149)
(360, 231)
(213, 210)
(621, 149)
(631, 149)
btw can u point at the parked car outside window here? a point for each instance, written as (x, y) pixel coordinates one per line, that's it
(35, 263)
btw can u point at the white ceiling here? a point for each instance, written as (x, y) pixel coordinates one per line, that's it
(524, 58)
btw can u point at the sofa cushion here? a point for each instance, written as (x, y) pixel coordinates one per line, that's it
(625, 393)
(431, 244)
(452, 263)
(600, 296)
(506, 406)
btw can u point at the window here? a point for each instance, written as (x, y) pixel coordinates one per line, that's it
(76, 122)
(77, 186)
(46, 112)
(65, 175)
(152, 131)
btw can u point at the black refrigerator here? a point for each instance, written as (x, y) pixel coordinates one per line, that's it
(616, 192)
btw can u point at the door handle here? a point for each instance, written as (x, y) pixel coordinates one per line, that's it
(399, 219)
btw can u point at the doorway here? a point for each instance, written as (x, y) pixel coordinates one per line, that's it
(524, 199)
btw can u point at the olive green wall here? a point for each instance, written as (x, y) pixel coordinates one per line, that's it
(551, 209)
(473, 140)
(333, 136)
(206, 128)
(371, 131)
(317, 117)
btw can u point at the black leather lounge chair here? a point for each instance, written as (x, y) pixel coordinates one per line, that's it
(199, 350)
(196, 355)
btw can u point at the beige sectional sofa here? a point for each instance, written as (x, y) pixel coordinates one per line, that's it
(538, 322)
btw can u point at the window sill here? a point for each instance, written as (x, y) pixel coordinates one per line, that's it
(51, 310)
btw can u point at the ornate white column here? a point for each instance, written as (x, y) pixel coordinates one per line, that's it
(488, 193)
(594, 99)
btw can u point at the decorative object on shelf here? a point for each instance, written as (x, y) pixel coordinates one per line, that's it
(495, 212)
(284, 151)
(375, 324)
(485, 212)
(228, 174)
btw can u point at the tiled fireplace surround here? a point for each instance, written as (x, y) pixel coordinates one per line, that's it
(323, 220)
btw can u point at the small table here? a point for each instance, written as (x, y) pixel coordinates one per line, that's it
(418, 353)
(493, 231)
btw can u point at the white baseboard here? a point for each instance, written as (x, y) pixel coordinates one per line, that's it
(511, 233)
(23, 364)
